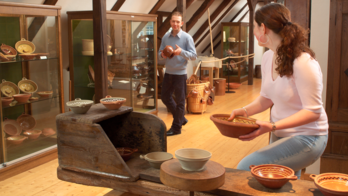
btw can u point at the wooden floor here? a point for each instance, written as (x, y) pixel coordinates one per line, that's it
(199, 132)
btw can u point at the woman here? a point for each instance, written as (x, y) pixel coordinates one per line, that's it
(292, 84)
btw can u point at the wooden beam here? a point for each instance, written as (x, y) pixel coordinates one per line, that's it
(251, 5)
(166, 14)
(37, 23)
(118, 5)
(218, 21)
(100, 50)
(240, 20)
(181, 7)
(237, 14)
(205, 25)
(198, 14)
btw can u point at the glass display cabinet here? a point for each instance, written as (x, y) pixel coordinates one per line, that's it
(31, 81)
(235, 42)
(132, 58)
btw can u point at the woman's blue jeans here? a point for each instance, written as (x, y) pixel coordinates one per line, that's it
(296, 152)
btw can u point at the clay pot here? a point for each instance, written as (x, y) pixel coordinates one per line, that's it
(112, 103)
(168, 51)
(18, 139)
(331, 184)
(192, 159)
(48, 132)
(219, 84)
(32, 134)
(271, 175)
(27, 56)
(22, 98)
(8, 50)
(233, 85)
(11, 127)
(6, 101)
(157, 158)
(210, 100)
(45, 94)
(238, 126)
(79, 106)
(126, 152)
(26, 121)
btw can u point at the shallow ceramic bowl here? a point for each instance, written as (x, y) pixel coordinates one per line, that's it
(126, 153)
(27, 56)
(156, 159)
(26, 121)
(48, 132)
(32, 134)
(238, 126)
(233, 85)
(27, 86)
(3, 57)
(6, 101)
(331, 184)
(16, 140)
(45, 94)
(192, 159)
(11, 57)
(79, 106)
(11, 127)
(22, 98)
(33, 98)
(24, 46)
(9, 88)
(8, 50)
(112, 103)
(271, 175)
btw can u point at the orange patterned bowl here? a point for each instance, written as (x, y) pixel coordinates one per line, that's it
(112, 103)
(236, 127)
(331, 184)
(271, 175)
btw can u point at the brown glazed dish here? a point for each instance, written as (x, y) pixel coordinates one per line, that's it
(271, 175)
(238, 126)
(331, 184)
(126, 153)
(8, 50)
(168, 51)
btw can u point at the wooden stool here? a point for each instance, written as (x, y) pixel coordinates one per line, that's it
(211, 178)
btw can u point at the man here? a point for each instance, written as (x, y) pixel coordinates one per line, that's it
(175, 75)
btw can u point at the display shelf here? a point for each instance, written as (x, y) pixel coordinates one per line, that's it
(15, 103)
(18, 60)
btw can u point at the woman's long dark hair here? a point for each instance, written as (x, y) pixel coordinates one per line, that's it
(277, 17)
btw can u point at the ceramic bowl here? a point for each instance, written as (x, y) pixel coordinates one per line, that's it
(8, 50)
(126, 153)
(79, 106)
(45, 94)
(11, 127)
(112, 103)
(87, 45)
(331, 184)
(16, 140)
(22, 98)
(8, 88)
(233, 85)
(168, 51)
(26, 121)
(27, 86)
(11, 57)
(24, 46)
(192, 159)
(32, 134)
(6, 101)
(271, 175)
(156, 159)
(33, 98)
(238, 126)
(3, 57)
(48, 132)
(27, 56)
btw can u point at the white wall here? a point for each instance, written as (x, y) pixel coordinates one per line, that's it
(319, 42)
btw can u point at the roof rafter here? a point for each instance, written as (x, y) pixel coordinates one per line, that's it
(117, 5)
(198, 14)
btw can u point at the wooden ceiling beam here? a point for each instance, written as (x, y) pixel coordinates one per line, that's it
(240, 11)
(198, 14)
(241, 18)
(118, 5)
(181, 7)
(217, 22)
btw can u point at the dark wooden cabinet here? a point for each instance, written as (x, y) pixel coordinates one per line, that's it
(335, 157)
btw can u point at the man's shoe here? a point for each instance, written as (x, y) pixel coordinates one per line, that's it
(185, 122)
(173, 132)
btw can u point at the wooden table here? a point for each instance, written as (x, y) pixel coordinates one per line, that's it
(211, 72)
(211, 178)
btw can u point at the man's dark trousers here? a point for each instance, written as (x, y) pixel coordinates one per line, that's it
(175, 84)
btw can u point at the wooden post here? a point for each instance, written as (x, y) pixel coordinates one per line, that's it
(251, 5)
(100, 50)
(181, 7)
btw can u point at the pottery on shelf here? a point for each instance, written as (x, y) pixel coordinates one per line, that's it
(331, 184)
(9, 88)
(238, 126)
(48, 132)
(25, 46)
(168, 51)
(233, 85)
(16, 140)
(271, 175)
(156, 159)
(8, 50)
(22, 98)
(27, 56)
(79, 106)
(45, 94)
(3, 57)
(26, 121)
(192, 159)
(126, 153)
(32, 134)
(27, 86)
(6, 101)
(112, 103)
(11, 127)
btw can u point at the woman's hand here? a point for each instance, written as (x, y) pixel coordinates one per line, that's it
(264, 128)
(237, 112)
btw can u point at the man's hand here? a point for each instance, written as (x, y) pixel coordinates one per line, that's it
(162, 54)
(177, 51)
